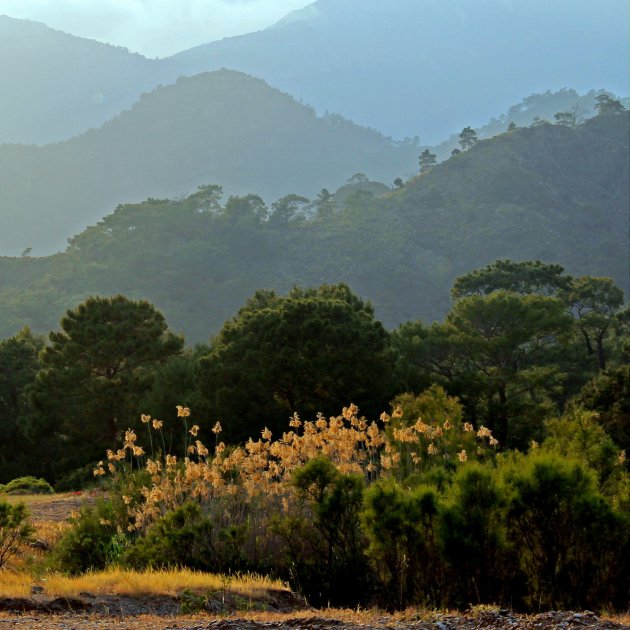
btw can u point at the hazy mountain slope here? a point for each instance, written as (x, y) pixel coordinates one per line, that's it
(531, 109)
(217, 127)
(429, 67)
(55, 85)
(404, 67)
(547, 192)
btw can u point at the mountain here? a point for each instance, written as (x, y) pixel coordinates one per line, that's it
(216, 127)
(549, 192)
(404, 67)
(55, 85)
(534, 109)
(429, 67)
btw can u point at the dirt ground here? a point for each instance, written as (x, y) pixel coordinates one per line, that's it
(307, 621)
(54, 508)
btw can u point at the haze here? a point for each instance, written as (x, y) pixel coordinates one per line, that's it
(154, 28)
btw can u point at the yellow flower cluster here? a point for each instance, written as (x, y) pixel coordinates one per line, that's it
(262, 469)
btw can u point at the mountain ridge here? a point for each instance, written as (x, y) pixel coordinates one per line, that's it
(221, 126)
(443, 67)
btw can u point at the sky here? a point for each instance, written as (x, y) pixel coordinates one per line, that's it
(154, 28)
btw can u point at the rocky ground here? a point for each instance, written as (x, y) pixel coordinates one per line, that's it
(161, 614)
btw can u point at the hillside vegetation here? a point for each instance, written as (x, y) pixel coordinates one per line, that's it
(221, 127)
(548, 192)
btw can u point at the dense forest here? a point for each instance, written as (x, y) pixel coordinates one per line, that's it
(553, 192)
(497, 476)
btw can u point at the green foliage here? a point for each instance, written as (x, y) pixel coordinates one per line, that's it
(567, 119)
(19, 364)
(91, 542)
(286, 209)
(526, 277)
(473, 535)
(491, 349)
(578, 435)
(301, 352)
(606, 105)
(594, 303)
(608, 394)
(192, 603)
(27, 485)
(181, 538)
(324, 543)
(401, 527)
(569, 539)
(93, 375)
(427, 160)
(15, 529)
(467, 138)
(431, 455)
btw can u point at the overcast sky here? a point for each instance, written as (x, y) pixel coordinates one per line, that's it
(155, 28)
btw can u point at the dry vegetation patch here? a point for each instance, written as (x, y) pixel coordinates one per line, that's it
(54, 508)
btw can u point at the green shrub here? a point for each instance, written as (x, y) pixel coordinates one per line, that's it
(14, 529)
(322, 536)
(91, 543)
(569, 538)
(401, 528)
(578, 434)
(472, 530)
(191, 603)
(181, 538)
(27, 485)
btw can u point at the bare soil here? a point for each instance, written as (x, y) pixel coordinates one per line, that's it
(54, 508)
(161, 614)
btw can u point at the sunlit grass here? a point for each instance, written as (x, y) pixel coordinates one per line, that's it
(136, 583)
(15, 584)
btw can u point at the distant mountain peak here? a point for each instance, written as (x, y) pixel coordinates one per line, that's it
(309, 12)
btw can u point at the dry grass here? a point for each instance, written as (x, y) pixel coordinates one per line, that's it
(136, 583)
(622, 618)
(53, 507)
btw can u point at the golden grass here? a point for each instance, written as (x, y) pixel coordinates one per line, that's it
(136, 583)
(59, 497)
(15, 584)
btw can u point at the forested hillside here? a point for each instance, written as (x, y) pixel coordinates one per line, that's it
(550, 192)
(222, 127)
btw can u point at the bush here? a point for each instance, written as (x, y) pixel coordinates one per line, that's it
(322, 535)
(401, 527)
(181, 538)
(569, 538)
(14, 529)
(27, 485)
(472, 531)
(92, 542)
